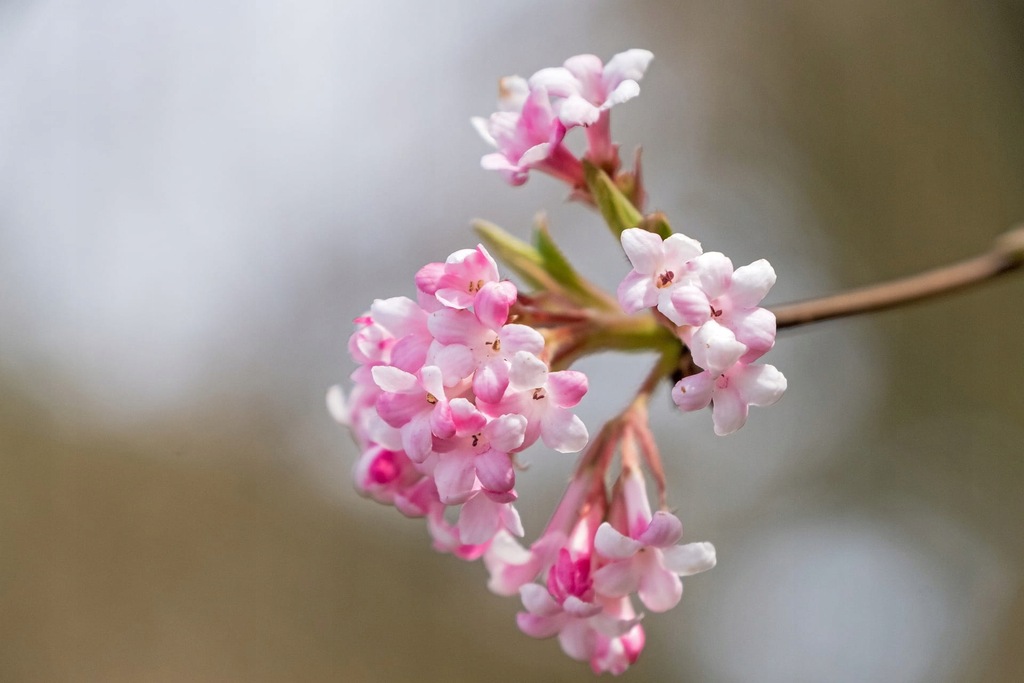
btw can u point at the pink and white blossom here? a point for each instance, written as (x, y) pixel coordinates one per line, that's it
(730, 393)
(658, 266)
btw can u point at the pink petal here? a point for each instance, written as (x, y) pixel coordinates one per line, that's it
(660, 589)
(563, 431)
(643, 249)
(441, 423)
(467, 417)
(613, 545)
(689, 559)
(456, 361)
(690, 304)
(505, 433)
(494, 470)
(491, 380)
(400, 315)
(511, 521)
(479, 520)
(428, 276)
(417, 438)
(537, 626)
(398, 409)
(664, 530)
(567, 387)
(693, 392)
(637, 292)
(537, 600)
(453, 326)
(455, 476)
(578, 640)
(616, 579)
(493, 301)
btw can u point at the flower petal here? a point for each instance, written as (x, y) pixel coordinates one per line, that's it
(616, 579)
(751, 283)
(664, 530)
(613, 545)
(494, 470)
(479, 520)
(728, 410)
(714, 347)
(760, 385)
(660, 589)
(563, 431)
(689, 559)
(643, 249)
(567, 387)
(693, 392)
(455, 476)
(637, 292)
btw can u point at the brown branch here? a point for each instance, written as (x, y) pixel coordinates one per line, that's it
(1006, 255)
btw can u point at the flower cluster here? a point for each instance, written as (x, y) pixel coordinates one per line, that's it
(446, 393)
(451, 386)
(716, 309)
(591, 559)
(534, 115)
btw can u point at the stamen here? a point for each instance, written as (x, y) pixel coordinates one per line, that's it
(431, 399)
(538, 393)
(665, 279)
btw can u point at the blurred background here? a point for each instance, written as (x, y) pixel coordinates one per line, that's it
(197, 197)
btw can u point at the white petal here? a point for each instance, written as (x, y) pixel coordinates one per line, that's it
(689, 559)
(714, 269)
(623, 92)
(537, 600)
(613, 545)
(563, 431)
(527, 371)
(628, 65)
(728, 411)
(393, 380)
(760, 385)
(751, 283)
(715, 348)
(679, 249)
(643, 249)
(506, 432)
(576, 111)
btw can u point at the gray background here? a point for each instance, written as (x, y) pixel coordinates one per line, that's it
(196, 198)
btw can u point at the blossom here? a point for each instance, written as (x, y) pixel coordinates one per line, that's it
(658, 266)
(528, 138)
(729, 298)
(646, 558)
(416, 405)
(590, 87)
(731, 393)
(545, 398)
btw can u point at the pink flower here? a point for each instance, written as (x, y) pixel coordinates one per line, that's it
(585, 89)
(545, 399)
(482, 517)
(477, 452)
(528, 138)
(646, 559)
(658, 266)
(482, 350)
(589, 87)
(731, 299)
(416, 405)
(731, 393)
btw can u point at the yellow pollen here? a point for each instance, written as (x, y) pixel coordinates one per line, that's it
(431, 399)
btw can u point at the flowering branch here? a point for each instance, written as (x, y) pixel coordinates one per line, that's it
(452, 386)
(1006, 255)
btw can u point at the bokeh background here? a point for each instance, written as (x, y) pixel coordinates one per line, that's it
(197, 197)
